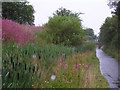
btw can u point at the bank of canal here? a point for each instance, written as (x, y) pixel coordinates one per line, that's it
(109, 68)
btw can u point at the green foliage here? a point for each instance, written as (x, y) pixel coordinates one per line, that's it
(87, 46)
(112, 51)
(115, 4)
(43, 38)
(64, 12)
(65, 30)
(86, 76)
(20, 12)
(89, 34)
(118, 11)
(109, 32)
(19, 69)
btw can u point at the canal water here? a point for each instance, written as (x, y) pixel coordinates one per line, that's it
(109, 68)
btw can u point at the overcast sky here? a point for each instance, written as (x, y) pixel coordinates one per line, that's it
(95, 11)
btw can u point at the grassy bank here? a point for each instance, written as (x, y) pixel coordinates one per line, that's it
(78, 71)
(33, 65)
(115, 53)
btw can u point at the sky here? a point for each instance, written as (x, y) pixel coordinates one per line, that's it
(95, 11)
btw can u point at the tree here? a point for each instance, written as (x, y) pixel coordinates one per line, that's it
(64, 12)
(20, 12)
(118, 10)
(89, 34)
(109, 33)
(65, 30)
(115, 4)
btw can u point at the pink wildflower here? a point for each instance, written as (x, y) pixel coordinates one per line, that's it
(2, 39)
(65, 66)
(90, 67)
(86, 66)
(13, 31)
(76, 67)
(61, 62)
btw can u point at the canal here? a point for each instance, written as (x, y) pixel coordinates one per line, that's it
(109, 68)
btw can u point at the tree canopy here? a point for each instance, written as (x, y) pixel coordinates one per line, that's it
(109, 32)
(89, 34)
(64, 12)
(65, 30)
(115, 4)
(20, 12)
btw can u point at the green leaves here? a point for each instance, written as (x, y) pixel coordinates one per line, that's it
(20, 12)
(64, 12)
(89, 34)
(64, 29)
(109, 32)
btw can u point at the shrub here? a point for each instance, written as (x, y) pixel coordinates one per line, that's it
(12, 31)
(65, 30)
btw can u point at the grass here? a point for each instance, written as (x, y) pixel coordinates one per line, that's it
(86, 76)
(33, 65)
(115, 53)
(20, 67)
(0, 64)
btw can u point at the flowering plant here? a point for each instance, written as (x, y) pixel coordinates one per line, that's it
(13, 31)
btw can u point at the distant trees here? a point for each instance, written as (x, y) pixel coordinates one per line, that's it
(109, 32)
(20, 12)
(89, 34)
(64, 12)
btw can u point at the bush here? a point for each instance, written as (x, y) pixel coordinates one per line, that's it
(13, 32)
(65, 30)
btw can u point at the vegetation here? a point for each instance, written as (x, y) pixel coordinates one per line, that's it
(64, 12)
(65, 30)
(20, 12)
(110, 33)
(76, 72)
(116, 5)
(21, 62)
(53, 56)
(89, 34)
(38, 64)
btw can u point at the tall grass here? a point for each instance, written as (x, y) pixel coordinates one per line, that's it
(78, 71)
(112, 51)
(26, 64)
